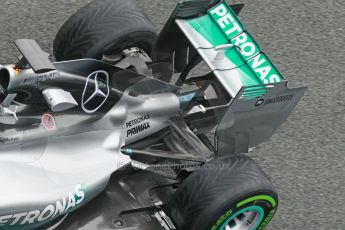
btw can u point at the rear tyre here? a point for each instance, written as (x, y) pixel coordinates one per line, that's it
(104, 27)
(231, 192)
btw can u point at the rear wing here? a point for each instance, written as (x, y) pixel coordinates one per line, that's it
(261, 101)
(230, 51)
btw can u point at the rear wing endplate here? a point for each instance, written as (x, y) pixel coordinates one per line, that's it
(250, 121)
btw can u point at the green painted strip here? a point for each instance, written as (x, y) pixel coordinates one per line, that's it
(255, 198)
(206, 27)
(254, 88)
(254, 92)
(254, 95)
(268, 219)
(222, 26)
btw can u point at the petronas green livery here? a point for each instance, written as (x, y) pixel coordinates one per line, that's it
(231, 51)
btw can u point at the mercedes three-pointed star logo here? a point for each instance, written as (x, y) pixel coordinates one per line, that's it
(101, 92)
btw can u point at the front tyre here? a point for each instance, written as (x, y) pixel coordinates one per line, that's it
(230, 193)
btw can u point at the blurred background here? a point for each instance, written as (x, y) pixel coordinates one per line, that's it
(305, 39)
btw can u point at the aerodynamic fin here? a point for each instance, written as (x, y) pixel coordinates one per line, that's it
(34, 56)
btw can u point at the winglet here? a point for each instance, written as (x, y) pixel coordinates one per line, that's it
(34, 56)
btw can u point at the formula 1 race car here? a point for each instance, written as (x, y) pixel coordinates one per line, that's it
(133, 130)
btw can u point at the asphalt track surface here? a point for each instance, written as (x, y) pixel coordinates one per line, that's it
(305, 39)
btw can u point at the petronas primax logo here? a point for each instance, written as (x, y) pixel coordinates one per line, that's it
(60, 207)
(249, 50)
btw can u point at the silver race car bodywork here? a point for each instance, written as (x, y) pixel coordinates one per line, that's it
(38, 159)
(70, 130)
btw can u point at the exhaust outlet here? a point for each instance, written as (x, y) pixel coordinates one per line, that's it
(12, 79)
(28, 87)
(60, 89)
(21, 84)
(4, 82)
(4, 79)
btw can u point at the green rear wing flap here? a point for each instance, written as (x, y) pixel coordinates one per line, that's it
(229, 50)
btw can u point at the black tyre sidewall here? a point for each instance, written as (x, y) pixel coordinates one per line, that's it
(198, 204)
(223, 209)
(104, 27)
